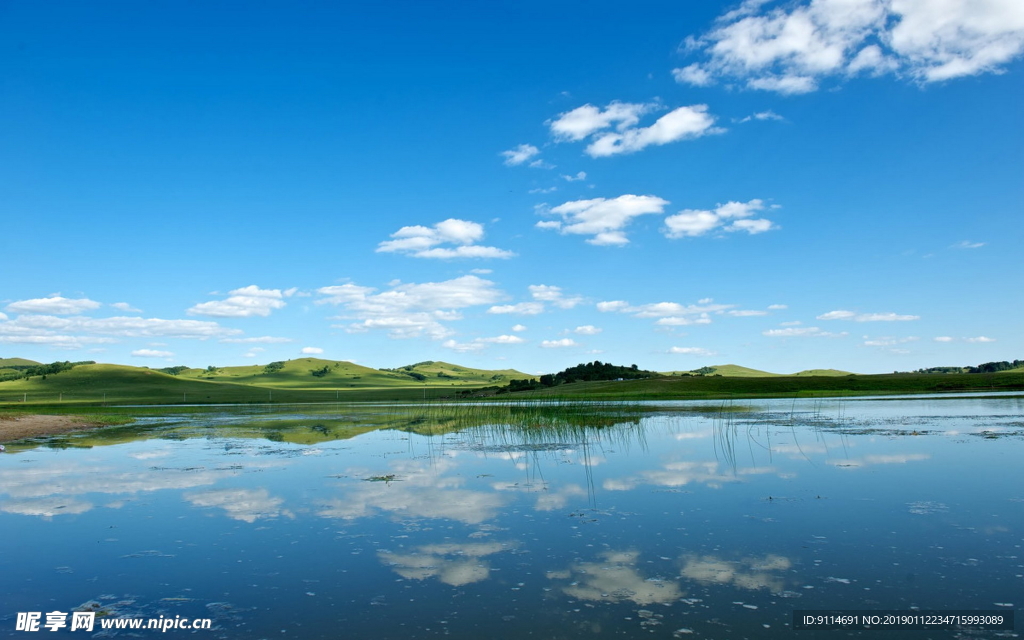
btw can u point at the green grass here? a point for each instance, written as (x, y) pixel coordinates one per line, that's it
(18, 362)
(119, 384)
(106, 384)
(298, 374)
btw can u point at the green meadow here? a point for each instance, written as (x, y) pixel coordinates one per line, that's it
(313, 380)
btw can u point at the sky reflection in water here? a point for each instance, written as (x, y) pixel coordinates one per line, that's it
(692, 524)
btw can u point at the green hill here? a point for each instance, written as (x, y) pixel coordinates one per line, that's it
(300, 380)
(316, 373)
(18, 362)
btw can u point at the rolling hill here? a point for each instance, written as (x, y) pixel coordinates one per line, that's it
(300, 380)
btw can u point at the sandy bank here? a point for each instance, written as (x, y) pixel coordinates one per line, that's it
(28, 426)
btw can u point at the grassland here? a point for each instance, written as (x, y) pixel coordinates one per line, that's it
(723, 387)
(107, 384)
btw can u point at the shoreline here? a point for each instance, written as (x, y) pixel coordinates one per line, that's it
(20, 427)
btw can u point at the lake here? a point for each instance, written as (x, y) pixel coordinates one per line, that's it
(667, 520)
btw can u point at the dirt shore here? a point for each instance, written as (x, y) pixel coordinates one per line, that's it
(17, 427)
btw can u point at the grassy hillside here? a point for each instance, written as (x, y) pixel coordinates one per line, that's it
(293, 382)
(736, 371)
(18, 362)
(332, 374)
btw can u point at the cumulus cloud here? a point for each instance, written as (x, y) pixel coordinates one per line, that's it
(731, 216)
(54, 305)
(480, 343)
(681, 124)
(410, 310)
(423, 242)
(312, 351)
(842, 314)
(669, 314)
(792, 48)
(554, 295)
(124, 306)
(603, 219)
(519, 327)
(584, 121)
(582, 175)
(520, 154)
(980, 339)
(943, 339)
(151, 353)
(588, 330)
(613, 129)
(244, 303)
(558, 344)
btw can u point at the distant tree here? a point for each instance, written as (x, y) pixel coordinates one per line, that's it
(273, 367)
(323, 371)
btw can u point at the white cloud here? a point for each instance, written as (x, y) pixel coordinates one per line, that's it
(802, 332)
(422, 242)
(588, 330)
(888, 341)
(519, 327)
(124, 306)
(778, 307)
(684, 123)
(410, 310)
(259, 340)
(584, 121)
(3, 316)
(582, 175)
(481, 272)
(746, 313)
(55, 305)
(78, 331)
(151, 353)
(673, 312)
(761, 115)
(520, 154)
(943, 339)
(693, 351)
(244, 303)
(558, 344)
(543, 190)
(792, 48)
(312, 351)
(520, 308)
(980, 339)
(967, 244)
(479, 343)
(731, 216)
(462, 347)
(693, 74)
(842, 314)
(603, 219)
(554, 295)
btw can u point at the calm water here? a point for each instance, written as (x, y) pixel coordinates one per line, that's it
(710, 521)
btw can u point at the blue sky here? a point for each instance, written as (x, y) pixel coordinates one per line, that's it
(784, 186)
